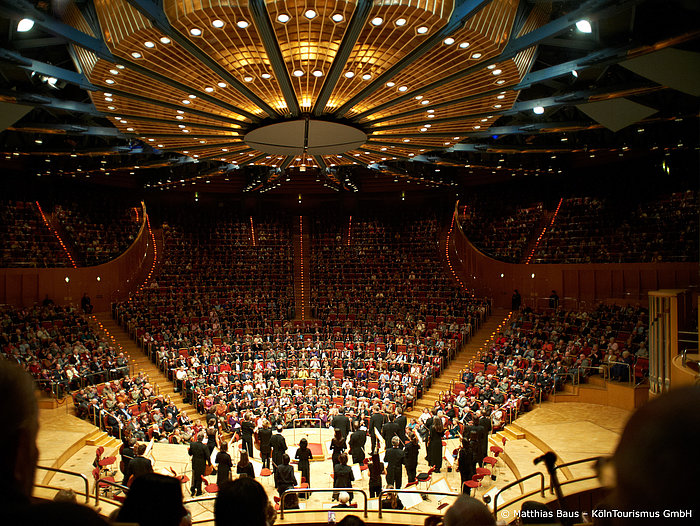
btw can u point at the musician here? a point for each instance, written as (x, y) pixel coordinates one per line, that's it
(376, 421)
(200, 459)
(247, 429)
(127, 454)
(342, 422)
(357, 443)
(279, 447)
(223, 464)
(264, 436)
(411, 461)
(395, 457)
(284, 473)
(139, 465)
(303, 456)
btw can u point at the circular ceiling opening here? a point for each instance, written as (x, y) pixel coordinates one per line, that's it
(318, 137)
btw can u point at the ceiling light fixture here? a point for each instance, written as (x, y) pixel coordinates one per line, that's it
(164, 40)
(298, 73)
(242, 24)
(218, 24)
(422, 30)
(149, 44)
(136, 54)
(464, 45)
(24, 25)
(221, 84)
(400, 22)
(449, 41)
(584, 26)
(337, 17)
(377, 21)
(538, 110)
(310, 14)
(195, 32)
(283, 18)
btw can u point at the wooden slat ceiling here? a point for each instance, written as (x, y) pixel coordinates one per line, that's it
(191, 109)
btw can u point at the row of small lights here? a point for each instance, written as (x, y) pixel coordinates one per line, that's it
(489, 340)
(252, 230)
(349, 230)
(301, 261)
(544, 231)
(447, 254)
(155, 256)
(108, 334)
(57, 235)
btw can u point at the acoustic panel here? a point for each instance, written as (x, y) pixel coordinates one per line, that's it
(616, 114)
(11, 113)
(675, 68)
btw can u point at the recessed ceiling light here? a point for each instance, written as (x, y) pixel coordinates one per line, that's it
(477, 127)
(195, 32)
(310, 14)
(164, 40)
(464, 45)
(298, 73)
(208, 89)
(424, 129)
(428, 125)
(431, 116)
(499, 82)
(407, 140)
(377, 21)
(430, 111)
(476, 55)
(181, 126)
(337, 17)
(283, 18)
(186, 131)
(107, 94)
(218, 23)
(248, 79)
(349, 74)
(266, 76)
(114, 71)
(111, 107)
(242, 24)
(185, 101)
(149, 44)
(425, 102)
(403, 88)
(129, 129)
(449, 41)
(422, 30)
(497, 106)
(317, 73)
(366, 76)
(179, 117)
(499, 97)
(538, 110)
(221, 84)
(180, 112)
(108, 99)
(496, 72)
(109, 81)
(136, 54)
(400, 22)
(192, 96)
(390, 84)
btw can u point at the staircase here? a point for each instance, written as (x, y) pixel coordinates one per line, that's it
(142, 363)
(302, 281)
(467, 354)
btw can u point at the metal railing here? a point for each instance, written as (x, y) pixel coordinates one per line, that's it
(322, 490)
(573, 463)
(516, 483)
(398, 491)
(71, 473)
(101, 481)
(630, 376)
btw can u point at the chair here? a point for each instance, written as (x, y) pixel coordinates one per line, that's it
(102, 482)
(473, 484)
(425, 478)
(210, 488)
(483, 472)
(265, 473)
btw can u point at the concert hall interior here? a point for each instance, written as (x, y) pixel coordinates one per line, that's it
(376, 255)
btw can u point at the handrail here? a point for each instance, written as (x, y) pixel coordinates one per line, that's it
(573, 463)
(578, 370)
(125, 489)
(72, 473)
(392, 490)
(630, 377)
(323, 490)
(515, 483)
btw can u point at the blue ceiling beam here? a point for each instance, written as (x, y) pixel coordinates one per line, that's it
(155, 14)
(274, 54)
(363, 8)
(462, 12)
(512, 49)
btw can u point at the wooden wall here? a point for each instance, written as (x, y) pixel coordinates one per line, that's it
(27, 286)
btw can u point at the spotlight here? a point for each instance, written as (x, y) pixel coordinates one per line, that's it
(25, 25)
(584, 26)
(538, 110)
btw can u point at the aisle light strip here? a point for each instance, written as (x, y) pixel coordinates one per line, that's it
(301, 255)
(155, 255)
(349, 229)
(544, 230)
(447, 254)
(53, 231)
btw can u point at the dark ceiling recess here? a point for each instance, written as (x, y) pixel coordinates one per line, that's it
(172, 96)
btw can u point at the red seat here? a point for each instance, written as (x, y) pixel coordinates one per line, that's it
(210, 488)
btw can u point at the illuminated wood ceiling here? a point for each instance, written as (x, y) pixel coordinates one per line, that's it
(194, 76)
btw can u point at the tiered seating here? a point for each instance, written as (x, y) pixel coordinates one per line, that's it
(58, 347)
(499, 230)
(596, 230)
(26, 240)
(541, 351)
(221, 334)
(98, 230)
